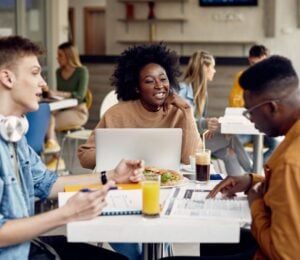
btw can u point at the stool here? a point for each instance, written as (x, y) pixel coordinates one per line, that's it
(76, 135)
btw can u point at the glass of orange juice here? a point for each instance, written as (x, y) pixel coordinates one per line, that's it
(151, 191)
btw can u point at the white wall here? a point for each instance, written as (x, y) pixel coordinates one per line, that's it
(211, 26)
(78, 6)
(287, 37)
(225, 31)
(58, 29)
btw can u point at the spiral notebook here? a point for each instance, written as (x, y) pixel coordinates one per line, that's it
(121, 186)
(119, 202)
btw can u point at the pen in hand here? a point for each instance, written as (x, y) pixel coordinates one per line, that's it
(89, 190)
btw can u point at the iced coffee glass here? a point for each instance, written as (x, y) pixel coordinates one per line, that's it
(202, 160)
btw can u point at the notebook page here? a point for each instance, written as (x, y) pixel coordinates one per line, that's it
(119, 202)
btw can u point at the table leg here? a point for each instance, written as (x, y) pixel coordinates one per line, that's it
(145, 251)
(148, 251)
(153, 251)
(258, 153)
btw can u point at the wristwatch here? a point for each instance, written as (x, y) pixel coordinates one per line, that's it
(103, 177)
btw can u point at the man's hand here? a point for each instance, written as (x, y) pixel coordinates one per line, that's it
(231, 185)
(175, 100)
(256, 192)
(86, 205)
(127, 171)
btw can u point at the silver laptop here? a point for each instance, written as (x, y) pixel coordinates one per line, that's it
(158, 147)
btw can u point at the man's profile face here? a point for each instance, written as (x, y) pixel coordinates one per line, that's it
(261, 116)
(27, 84)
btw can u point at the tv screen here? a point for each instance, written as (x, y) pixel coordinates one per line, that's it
(228, 2)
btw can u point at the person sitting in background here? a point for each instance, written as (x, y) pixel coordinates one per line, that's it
(257, 53)
(272, 101)
(200, 71)
(144, 77)
(72, 82)
(23, 176)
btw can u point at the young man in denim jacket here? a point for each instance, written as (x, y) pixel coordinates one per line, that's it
(23, 176)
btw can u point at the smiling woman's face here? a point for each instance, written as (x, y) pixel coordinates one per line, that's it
(154, 86)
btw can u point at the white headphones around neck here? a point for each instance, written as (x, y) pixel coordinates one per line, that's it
(13, 128)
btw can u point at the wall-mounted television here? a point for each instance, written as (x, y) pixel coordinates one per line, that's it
(228, 2)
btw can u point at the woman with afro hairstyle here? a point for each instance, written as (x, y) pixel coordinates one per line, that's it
(145, 79)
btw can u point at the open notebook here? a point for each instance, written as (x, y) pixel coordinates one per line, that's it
(158, 147)
(119, 202)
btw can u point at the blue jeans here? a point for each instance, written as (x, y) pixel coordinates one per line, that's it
(270, 142)
(132, 250)
(229, 149)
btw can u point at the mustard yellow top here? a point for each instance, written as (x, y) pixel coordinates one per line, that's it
(236, 98)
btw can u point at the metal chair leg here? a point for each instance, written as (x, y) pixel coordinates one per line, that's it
(71, 166)
(157, 250)
(169, 249)
(60, 154)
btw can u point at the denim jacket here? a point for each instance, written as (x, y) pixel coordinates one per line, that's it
(186, 92)
(17, 197)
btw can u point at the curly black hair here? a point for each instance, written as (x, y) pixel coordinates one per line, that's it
(126, 75)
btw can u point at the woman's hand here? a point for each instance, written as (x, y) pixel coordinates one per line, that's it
(86, 205)
(208, 135)
(213, 124)
(127, 171)
(56, 93)
(53, 93)
(232, 185)
(175, 100)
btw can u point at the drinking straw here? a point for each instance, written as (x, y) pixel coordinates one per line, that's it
(203, 137)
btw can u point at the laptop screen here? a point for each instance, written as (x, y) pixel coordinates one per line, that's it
(158, 147)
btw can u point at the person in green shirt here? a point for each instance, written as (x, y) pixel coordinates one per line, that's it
(72, 82)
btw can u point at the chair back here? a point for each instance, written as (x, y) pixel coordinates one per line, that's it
(109, 100)
(38, 126)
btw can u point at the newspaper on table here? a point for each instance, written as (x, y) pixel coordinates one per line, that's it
(191, 202)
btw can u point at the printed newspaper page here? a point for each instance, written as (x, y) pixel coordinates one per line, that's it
(191, 202)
